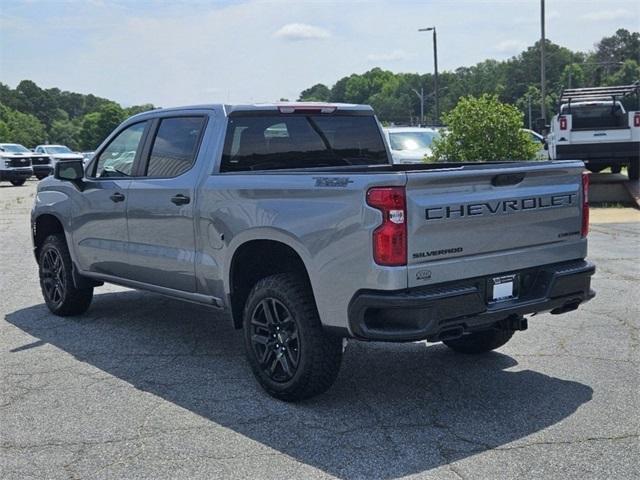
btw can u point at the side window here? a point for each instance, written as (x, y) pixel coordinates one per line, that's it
(175, 146)
(117, 159)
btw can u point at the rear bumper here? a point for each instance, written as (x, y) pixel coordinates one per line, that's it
(463, 306)
(620, 152)
(15, 174)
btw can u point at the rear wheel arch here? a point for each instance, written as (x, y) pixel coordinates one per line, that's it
(257, 259)
(43, 226)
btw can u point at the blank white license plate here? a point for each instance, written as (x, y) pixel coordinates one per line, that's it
(503, 288)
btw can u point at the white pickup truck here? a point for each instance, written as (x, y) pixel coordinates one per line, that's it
(593, 126)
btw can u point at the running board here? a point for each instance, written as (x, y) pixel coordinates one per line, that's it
(198, 298)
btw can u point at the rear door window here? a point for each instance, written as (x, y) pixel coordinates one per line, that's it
(175, 146)
(289, 141)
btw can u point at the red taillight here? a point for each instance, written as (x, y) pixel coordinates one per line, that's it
(563, 123)
(390, 238)
(585, 204)
(636, 120)
(306, 109)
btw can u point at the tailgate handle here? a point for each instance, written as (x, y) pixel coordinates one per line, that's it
(507, 179)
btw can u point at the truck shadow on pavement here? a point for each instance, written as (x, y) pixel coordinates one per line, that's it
(395, 410)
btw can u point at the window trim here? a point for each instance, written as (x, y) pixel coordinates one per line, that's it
(142, 166)
(91, 173)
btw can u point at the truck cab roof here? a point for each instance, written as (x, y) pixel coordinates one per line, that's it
(276, 107)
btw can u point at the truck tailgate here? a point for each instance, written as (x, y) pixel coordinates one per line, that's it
(485, 213)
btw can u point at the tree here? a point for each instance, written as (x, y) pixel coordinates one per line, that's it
(318, 93)
(21, 127)
(65, 132)
(629, 72)
(89, 133)
(622, 46)
(134, 110)
(483, 129)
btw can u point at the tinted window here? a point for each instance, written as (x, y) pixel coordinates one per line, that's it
(117, 159)
(272, 142)
(175, 146)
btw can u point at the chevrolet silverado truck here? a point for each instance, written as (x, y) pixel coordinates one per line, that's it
(15, 163)
(594, 126)
(54, 154)
(291, 221)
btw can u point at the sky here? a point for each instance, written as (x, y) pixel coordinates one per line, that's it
(185, 52)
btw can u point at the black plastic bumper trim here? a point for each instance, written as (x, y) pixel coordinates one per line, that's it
(425, 313)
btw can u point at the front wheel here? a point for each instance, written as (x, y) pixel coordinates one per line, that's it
(18, 183)
(290, 354)
(595, 168)
(56, 279)
(479, 342)
(40, 176)
(633, 170)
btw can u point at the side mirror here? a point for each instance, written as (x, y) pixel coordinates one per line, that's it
(69, 170)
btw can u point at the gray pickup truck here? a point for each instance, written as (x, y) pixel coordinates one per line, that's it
(291, 221)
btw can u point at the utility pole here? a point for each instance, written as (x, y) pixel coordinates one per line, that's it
(421, 97)
(543, 97)
(435, 71)
(529, 107)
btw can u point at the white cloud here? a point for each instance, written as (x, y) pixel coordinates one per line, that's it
(301, 31)
(393, 56)
(607, 15)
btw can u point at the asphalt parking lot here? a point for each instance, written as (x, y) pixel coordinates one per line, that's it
(147, 387)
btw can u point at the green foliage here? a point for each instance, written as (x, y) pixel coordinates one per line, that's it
(32, 115)
(483, 129)
(66, 132)
(392, 96)
(318, 93)
(18, 127)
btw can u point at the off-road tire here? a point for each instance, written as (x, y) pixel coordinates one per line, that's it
(616, 168)
(68, 300)
(319, 353)
(18, 183)
(41, 176)
(633, 170)
(479, 342)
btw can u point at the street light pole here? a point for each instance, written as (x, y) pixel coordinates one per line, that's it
(435, 71)
(420, 95)
(543, 110)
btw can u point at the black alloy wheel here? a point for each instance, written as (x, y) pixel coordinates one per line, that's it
(52, 274)
(275, 340)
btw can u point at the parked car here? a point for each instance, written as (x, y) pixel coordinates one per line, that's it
(290, 221)
(87, 156)
(55, 153)
(542, 153)
(410, 144)
(15, 163)
(593, 125)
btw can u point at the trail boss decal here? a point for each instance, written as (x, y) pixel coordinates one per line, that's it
(500, 207)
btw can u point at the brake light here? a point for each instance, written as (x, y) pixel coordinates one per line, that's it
(636, 120)
(563, 123)
(585, 204)
(306, 109)
(390, 238)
